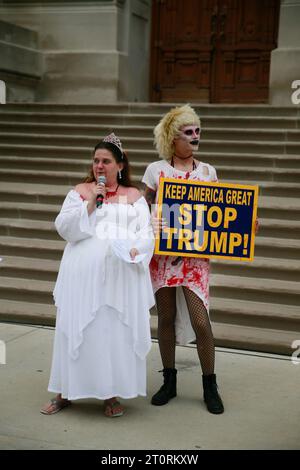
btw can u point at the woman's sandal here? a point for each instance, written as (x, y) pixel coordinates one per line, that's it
(113, 408)
(55, 405)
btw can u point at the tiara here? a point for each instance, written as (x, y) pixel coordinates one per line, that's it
(113, 139)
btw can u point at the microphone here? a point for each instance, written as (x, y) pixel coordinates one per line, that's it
(99, 200)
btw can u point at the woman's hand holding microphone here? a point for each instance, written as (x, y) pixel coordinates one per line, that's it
(98, 189)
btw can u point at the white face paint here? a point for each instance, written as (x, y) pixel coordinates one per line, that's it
(190, 135)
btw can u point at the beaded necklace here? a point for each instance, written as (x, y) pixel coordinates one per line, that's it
(112, 193)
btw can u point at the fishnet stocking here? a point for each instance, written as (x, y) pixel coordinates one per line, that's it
(166, 310)
(201, 325)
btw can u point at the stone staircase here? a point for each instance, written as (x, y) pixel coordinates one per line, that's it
(45, 149)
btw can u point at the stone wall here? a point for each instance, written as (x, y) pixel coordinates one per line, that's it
(93, 52)
(21, 64)
(285, 60)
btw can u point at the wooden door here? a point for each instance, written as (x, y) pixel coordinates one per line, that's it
(181, 50)
(212, 50)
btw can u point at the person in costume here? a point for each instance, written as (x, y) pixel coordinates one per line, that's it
(103, 292)
(181, 284)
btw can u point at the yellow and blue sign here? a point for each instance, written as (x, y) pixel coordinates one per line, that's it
(207, 220)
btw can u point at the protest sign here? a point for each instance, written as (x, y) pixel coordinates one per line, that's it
(207, 220)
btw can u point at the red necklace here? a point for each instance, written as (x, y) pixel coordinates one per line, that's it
(112, 193)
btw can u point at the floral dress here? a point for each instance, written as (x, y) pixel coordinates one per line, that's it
(171, 271)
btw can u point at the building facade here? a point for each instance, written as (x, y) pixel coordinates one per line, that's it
(106, 51)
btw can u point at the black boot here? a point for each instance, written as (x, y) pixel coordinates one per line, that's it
(211, 397)
(167, 390)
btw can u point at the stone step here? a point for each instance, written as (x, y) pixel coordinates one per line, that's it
(272, 188)
(260, 267)
(141, 119)
(31, 247)
(43, 164)
(248, 160)
(33, 192)
(278, 208)
(227, 335)
(45, 150)
(44, 229)
(251, 311)
(27, 312)
(29, 268)
(285, 229)
(271, 247)
(255, 314)
(127, 130)
(27, 290)
(90, 130)
(16, 208)
(72, 178)
(28, 210)
(141, 143)
(40, 229)
(268, 206)
(142, 158)
(282, 269)
(254, 339)
(156, 108)
(257, 290)
(281, 292)
(291, 175)
(10, 164)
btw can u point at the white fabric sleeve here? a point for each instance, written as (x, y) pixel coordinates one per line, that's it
(149, 177)
(73, 222)
(144, 241)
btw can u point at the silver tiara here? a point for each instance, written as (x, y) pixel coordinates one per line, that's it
(113, 139)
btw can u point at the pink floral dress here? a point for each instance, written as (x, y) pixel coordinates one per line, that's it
(185, 271)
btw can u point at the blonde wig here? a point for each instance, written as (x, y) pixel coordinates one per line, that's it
(168, 128)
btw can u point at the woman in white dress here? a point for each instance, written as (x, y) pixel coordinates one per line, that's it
(103, 291)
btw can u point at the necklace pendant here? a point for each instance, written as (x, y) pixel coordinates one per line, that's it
(112, 193)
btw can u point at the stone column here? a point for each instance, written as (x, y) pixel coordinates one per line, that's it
(134, 42)
(93, 51)
(20, 62)
(285, 60)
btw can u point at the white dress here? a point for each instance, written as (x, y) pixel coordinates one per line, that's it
(102, 334)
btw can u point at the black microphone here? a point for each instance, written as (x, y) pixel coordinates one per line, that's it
(99, 200)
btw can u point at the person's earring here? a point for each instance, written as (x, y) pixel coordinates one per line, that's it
(120, 175)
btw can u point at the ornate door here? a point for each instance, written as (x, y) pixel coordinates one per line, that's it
(212, 50)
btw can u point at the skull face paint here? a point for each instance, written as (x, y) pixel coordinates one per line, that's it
(190, 135)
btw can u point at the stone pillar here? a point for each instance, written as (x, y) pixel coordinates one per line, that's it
(93, 51)
(134, 42)
(20, 62)
(285, 60)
